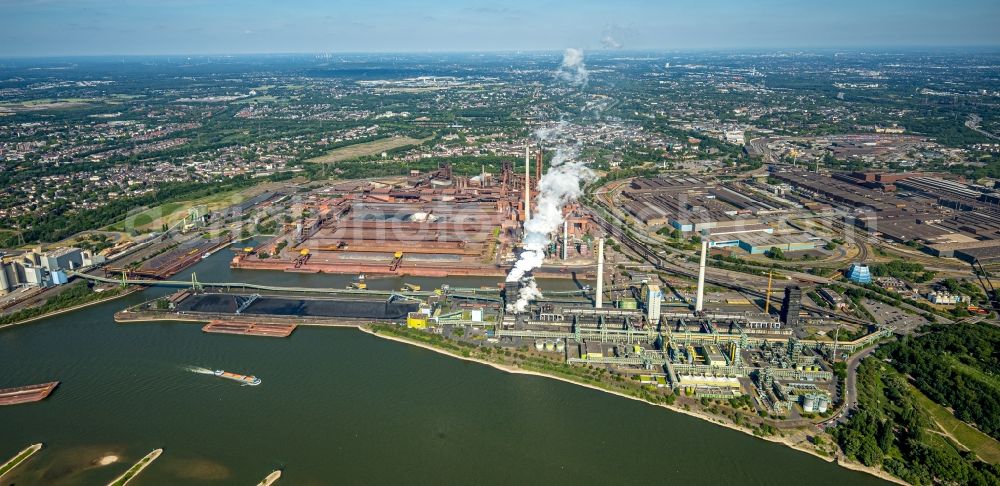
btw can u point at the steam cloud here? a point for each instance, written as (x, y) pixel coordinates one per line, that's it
(610, 42)
(613, 36)
(573, 70)
(560, 185)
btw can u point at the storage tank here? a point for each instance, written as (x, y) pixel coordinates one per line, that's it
(4, 281)
(560, 346)
(550, 346)
(809, 403)
(539, 345)
(823, 403)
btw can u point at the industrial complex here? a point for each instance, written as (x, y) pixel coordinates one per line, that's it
(437, 224)
(653, 300)
(629, 312)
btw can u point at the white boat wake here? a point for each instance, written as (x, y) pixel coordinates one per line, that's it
(199, 369)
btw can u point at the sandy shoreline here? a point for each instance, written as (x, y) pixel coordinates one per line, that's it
(714, 420)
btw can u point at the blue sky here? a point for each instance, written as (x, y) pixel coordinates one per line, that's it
(94, 27)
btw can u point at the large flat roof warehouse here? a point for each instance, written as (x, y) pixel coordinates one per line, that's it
(668, 184)
(967, 247)
(984, 254)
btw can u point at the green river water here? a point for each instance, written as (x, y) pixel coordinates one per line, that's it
(338, 406)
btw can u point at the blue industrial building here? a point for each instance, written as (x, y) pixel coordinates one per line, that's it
(859, 273)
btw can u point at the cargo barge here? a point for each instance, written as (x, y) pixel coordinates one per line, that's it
(175, 259)
(26, 394)
(249, 329)
(248, 380)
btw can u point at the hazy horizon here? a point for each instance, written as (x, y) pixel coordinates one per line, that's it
(53, 28)
(600, 53)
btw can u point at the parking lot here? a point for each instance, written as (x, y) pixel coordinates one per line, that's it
(887, 315)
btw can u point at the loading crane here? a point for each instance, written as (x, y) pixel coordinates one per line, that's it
(984, 281)
(302, 258)
(397, 258)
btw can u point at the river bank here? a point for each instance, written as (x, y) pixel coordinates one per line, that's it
(54, 313)
(118, 376)
(22, 456)
(787, 441)
(134, 471)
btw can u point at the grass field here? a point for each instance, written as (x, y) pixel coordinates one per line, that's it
(365, 149)
(62, 103)
(984, 446)
(256, 99)
(39, 105)
(172, 212)
(973, 372)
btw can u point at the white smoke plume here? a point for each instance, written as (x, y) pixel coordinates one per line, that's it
(609, 41)
(614, 36)
(573, 70)
(560, 185)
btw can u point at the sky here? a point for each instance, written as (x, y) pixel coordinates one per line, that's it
(121, 27)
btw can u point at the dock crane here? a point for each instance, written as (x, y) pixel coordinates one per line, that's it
(767, 296)
(397, 258)
(302, 258)
(986, 283)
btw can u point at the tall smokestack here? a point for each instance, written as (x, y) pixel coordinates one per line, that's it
(599, 296)
(565, 239)
(538, 166)
(527, 184)
(700, 303)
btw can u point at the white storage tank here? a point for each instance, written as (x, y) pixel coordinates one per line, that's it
(809, 403)
(824, 403)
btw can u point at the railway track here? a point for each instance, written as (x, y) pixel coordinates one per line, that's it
(661, 264)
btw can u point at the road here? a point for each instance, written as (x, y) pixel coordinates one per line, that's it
(973, 124)
(850, 389)
(851, 385)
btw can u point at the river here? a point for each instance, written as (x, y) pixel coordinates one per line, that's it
(340, 406)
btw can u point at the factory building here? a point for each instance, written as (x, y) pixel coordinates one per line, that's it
(944, 298)
(692, 204)
(591, 350)
(759, 242)
(66, 258)
(791, 305)
(37, 269)
(984, 254)
(35, 276)
(90, 258)
(859, 274)
(835, 299)
(653, 300)
(952, 218)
